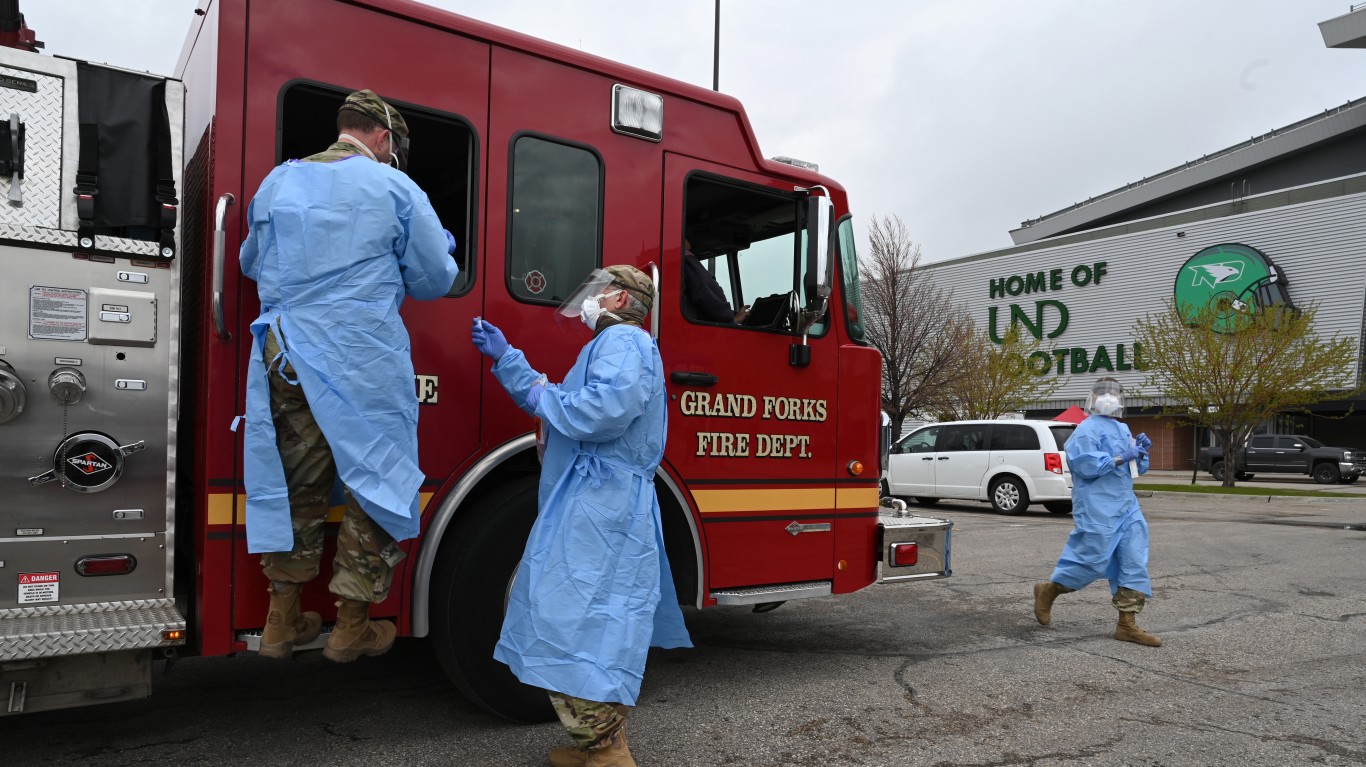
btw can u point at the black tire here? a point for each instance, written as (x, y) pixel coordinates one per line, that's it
(473, 570)
(1008, 495)
(1242, 476)
(1059, 507)
(1217, 470)
(925, 500)
(1326, 474)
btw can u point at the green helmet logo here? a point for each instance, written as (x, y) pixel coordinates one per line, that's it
(1229, 279)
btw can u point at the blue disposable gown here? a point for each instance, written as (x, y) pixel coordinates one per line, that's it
(333, 248)
(593, 591)
(1110, 536)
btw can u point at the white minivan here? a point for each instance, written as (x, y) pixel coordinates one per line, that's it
(1010, 463)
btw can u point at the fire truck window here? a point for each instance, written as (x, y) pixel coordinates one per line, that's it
(441, 159)
(555, 234)
(750, 241)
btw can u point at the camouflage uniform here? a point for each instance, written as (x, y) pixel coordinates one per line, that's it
(591, 724)
(364, 565)
(1124, 600)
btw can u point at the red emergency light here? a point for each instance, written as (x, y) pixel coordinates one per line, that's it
(905, 554)
(1052, 462)
(107, 564)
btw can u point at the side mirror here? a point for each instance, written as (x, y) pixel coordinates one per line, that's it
(820, 272)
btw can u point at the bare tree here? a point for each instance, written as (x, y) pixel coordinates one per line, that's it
(1230, 371)
(1001, 380)
(913, 322)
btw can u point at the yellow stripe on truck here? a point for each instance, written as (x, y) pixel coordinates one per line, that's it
(221, 509)
(718, 501)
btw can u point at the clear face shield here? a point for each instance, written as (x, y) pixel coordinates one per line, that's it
(585, 302)
(1106, 398)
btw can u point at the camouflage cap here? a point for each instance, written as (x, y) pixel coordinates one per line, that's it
(372, 106)
(635, 282)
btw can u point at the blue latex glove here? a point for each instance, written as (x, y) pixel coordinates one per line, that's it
(1144, 443)
(488, 339)
(533, 396)
(450, 242)
(1130, 453)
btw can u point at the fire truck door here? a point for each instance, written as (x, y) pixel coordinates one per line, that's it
(303, 58)
(752, 434)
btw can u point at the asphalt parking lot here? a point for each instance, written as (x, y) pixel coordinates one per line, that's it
(1262, 606)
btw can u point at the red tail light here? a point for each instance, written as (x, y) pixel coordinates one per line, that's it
(108, 564)
(905, 554)
(1052, 462)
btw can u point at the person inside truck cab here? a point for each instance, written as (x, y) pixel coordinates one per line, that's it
(336, 242)
(703, 297)
(593, 591)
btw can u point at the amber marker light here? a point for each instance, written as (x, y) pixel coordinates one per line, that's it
(842, 565)
(856, 467)
(172, 635)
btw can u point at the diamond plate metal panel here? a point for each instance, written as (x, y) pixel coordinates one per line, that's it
(67, 240)
(45, 632)
(42, 116)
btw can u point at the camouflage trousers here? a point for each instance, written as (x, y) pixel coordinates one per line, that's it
(1124, 600)
(363, 568)
(591, 724)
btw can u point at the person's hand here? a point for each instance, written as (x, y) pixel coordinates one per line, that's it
(1144, 443)
(488, 339)
(741, 316)
(533, 396)
(450, 242)
(1130, 453)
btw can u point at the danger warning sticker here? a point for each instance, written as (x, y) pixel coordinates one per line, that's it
(38, 587)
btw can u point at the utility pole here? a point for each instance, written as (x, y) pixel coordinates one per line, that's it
(716, 51)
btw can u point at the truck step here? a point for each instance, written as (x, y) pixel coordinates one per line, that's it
(780, 592)
(43, 632)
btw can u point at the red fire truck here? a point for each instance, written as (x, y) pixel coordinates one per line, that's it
(123, 341)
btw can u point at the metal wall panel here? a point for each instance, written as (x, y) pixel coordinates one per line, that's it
(1318, 245)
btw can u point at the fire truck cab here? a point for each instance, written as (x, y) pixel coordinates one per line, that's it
(123, 343)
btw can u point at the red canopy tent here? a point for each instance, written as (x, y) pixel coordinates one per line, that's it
(1072, 414)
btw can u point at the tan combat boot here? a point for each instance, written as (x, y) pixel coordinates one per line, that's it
(574, 756)
(285, 625)
(1044, 594)
(1128, 631)
(356, 635)
(615, 754)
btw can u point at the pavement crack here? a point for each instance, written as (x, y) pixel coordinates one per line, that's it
(1011, 758)
(1327, 746)
(331, 730)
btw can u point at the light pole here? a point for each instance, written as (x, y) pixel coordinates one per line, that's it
(716, 51)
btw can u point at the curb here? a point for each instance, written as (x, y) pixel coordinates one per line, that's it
(1249, 498)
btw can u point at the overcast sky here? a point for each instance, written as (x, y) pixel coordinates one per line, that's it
(963, 118)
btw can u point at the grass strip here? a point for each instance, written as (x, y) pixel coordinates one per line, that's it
(1258, 491)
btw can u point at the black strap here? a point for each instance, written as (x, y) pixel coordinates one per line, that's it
(165, 191)
(87, 185)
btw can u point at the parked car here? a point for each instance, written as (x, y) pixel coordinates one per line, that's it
(1288, 454)
(1008, 463)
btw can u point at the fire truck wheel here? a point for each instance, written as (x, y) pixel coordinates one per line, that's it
(473, 572)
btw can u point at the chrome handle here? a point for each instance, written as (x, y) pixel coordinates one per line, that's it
(220, 244)
(654, 306)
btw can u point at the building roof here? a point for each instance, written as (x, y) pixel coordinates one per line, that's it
(1259, 150)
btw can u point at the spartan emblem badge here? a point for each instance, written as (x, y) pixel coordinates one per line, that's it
(90, 463)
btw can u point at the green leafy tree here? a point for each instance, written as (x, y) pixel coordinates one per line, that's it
(1000, 381)
(1229, 369)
